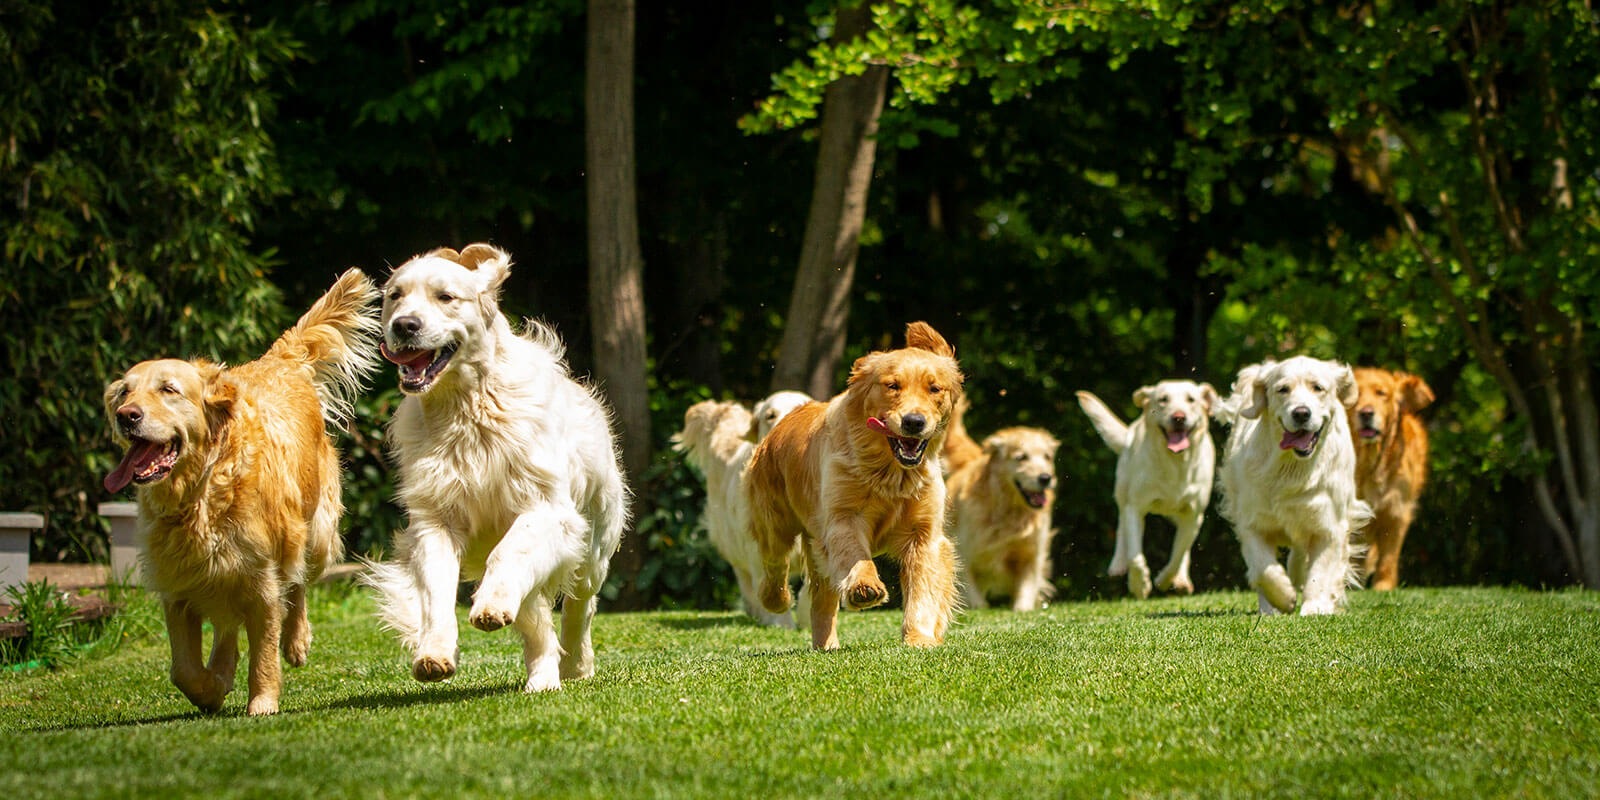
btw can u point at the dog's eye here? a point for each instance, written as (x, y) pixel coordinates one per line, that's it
(1189, 398)
(1382, 393)
(444, 297)
(1283, 390)
(1022, 456)
(394, 295)
(1162, 399)
(893, 386)
(170, 389)
(1316, 387)
(933, 388)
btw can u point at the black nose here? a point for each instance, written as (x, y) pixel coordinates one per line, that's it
(407, 325)
(129, 416)
(1301, 415)
(1045, 480)
(1366, 413)
(913, 423)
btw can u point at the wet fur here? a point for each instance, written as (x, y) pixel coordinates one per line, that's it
(249, 514)
(1003, 541)
(824, 477)
(1275, 498)
(508, 472)
(1391, 467)
(1153, 480)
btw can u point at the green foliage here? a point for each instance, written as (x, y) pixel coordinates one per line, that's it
(49, 641)
(134, 167)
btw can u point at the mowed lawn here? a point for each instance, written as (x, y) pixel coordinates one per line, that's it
(1466, 692)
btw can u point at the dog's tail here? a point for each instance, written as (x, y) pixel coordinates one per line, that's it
(1113, 430)
(1356, 554)
(713, 435)
(336, 341)
(399, 599)
(959, 447)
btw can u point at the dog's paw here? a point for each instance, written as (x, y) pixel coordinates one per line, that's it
(542, 680)
(1119, 566)
(1319, 605)
(1275, 588)
(429, 669)
(490, 619)
(919, 639)
(205, 691)
(775, 596)
(1170, 581)
(263, 705)
(1139, 578)
(866, 594)
(296, 653)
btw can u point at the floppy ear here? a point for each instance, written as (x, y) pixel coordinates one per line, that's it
(1348, 390)
(1415, 394)
(1141, 395)
(1208, 395)
(220, 394)
(1252, 379)
(922, 336)
(492, 263)
(753, 433)
(446, 253)
(112, 390)
(995, 447)
(863, 367)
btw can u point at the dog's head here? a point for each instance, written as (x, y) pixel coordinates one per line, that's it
(772, 409)
(906, 396)
(164, 413)
(1180, 409)
(1304, 395)
(440, 307)
(1382, 397)
(1025, 458)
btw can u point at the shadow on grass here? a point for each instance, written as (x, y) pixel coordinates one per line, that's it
(700, 623)
(437, 695)
(124, 723)
(1210, 612)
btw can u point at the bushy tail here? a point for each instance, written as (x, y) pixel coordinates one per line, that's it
(959, 447)
(399, 599)
(1113, 430)
(1356, 573)
(713, 436)
(336, 340)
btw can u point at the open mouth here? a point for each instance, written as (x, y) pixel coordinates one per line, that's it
(907, 450)
(145, 462)
(1177, 440)
(1032, 497)
(1303, 443)
(418, 368)
(1368, 432)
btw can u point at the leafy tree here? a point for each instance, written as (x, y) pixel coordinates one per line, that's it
(135, 167)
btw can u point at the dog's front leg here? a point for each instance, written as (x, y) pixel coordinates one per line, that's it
(436, 562)
(848, 561)
(1175, 576)
(1264, 573)
(1326, 572)
(264, 628)
(1130, 535)
(824, 606)
(183, 633)
(540, 545)
(927, 581)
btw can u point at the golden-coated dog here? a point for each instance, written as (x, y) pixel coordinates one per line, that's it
(1391, 462)
(854, 477)
(238, 489)
(1000, 503)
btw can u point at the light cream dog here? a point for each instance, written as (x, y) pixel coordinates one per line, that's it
(718, 439)
(1165, 462)
(508, 471)
(238, 489)
(1000, 504)
(1289, 480)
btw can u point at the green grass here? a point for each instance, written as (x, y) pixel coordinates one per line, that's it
(1447, 692)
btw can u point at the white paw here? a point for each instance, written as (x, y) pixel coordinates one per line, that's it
(1319, 605)
(1119, 566)
(544, 677)
(1275, 587)
(1139, 578)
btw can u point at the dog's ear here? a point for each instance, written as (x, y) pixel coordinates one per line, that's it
(753, 433)
(446, 253)
(220, 395)
(113, 389)
(1208, 395)
(1348, 390)
(492, 263)
(922, 336)
(863, 367)
(1252, 383)
(1415, 394)
(1141, 395)
(995, 447)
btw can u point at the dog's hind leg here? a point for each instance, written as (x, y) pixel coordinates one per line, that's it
(540, 652)
(824, 608)
(264, 627)
(1119, 557)
(577, 617)
(1175, 576)
(540, 545)
(1131, 534)
(296, 628)
(224, 653)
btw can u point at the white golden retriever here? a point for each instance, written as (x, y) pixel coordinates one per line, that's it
(508, 471)
(1165, 463)
(1288, 480)
(717, 439)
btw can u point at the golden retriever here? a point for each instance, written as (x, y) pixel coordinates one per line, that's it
(960, 449)
(718, 439)
(238, 490)
(508, 472)
(1165, 462)
(1391, 462)
(1000, 505)
(854, 478)
(1289, 480)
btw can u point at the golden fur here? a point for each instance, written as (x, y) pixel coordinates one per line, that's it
(960, 449)
(1391, 462)
(239, 490)
(859, 476)
(1000, 506)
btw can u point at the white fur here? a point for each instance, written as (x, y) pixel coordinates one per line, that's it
(1152, 479)
(717, 440)
(1277, 497)
(508, 470)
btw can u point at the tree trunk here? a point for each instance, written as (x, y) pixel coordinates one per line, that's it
(616, 265)
(819, 308)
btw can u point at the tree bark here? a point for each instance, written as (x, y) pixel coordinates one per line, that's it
(819, 307)
(616, 265)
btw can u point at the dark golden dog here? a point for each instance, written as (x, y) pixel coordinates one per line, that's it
(1391, 462)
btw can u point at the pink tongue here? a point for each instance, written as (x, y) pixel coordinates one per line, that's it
(877, 425)
(1299, 440)
(415, 359)
(138, 453)
(1177, 441)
